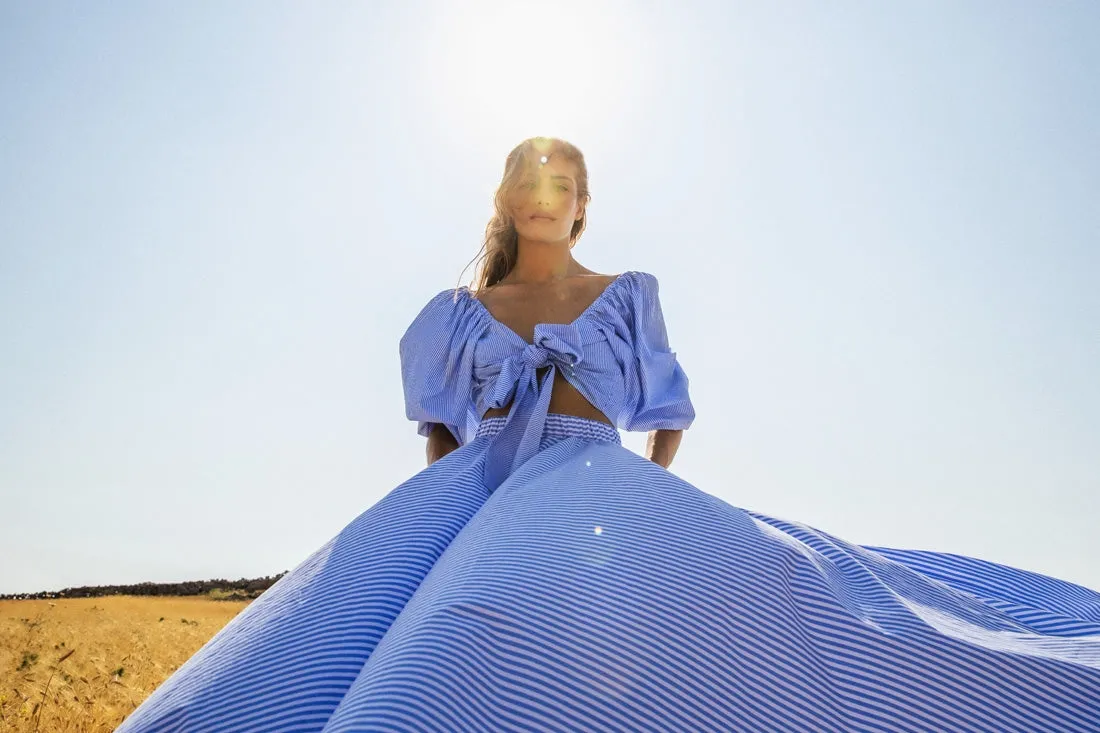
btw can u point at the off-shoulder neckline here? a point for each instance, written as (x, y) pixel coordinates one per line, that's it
(604, 295)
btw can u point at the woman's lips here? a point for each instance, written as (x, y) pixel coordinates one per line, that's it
(542, 218)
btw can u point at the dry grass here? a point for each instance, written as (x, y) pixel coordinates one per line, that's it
(84, 664)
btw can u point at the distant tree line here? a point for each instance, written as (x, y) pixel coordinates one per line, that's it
(243, 588)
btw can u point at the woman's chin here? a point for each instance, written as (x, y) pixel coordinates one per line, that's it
(541, 237)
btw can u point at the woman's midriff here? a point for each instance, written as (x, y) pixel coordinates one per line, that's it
(564, 400)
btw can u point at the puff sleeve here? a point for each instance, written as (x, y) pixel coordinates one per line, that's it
(437, 364)
(657, 392)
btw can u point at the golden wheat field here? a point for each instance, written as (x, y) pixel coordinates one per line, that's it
(84, 664)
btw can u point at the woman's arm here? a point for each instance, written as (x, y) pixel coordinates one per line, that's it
(440, 442)
(662, 445)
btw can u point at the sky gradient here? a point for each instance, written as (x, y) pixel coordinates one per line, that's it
(876, 229)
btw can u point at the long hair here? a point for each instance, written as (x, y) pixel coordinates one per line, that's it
(498, 252)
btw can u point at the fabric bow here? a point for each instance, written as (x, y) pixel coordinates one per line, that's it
(556, 346)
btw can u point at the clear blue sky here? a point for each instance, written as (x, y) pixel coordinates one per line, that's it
(876, 228)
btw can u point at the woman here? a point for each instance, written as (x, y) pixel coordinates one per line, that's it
(537, 576)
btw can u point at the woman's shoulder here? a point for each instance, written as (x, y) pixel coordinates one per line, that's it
(583, 288)
(635, 287)
(621, 299)
(453, 300)
(465, 309)
(454, 311)
(597, 280)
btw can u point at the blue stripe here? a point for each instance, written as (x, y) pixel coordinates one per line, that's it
(593, 590)
(458, 361)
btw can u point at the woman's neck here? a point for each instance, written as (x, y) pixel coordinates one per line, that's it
(542, 262)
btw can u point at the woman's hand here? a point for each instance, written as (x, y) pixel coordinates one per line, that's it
(440, 443)
(662, 445)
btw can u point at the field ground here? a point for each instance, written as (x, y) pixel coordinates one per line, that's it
(84, 664)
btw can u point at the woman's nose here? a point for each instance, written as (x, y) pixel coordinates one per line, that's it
(544, 195)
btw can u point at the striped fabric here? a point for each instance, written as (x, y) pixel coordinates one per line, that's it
(558, 427)
(592, 590)
(458, 361)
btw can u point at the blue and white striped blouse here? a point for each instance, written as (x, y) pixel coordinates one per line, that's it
(458, 361)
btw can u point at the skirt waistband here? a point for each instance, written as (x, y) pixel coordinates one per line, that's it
(559, 427)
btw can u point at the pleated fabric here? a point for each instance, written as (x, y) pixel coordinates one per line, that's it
(595, 591)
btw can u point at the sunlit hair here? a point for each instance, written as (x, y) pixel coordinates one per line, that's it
(498, 253)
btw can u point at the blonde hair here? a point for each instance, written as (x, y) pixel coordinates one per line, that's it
(498, 252)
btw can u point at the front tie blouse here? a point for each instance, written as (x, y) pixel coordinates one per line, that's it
(458, 361)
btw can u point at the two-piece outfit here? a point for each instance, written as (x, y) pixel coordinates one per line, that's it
(542, 577)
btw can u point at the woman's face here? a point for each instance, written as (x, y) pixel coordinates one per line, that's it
(544, 202)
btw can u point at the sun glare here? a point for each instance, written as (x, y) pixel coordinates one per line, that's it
(504, 71)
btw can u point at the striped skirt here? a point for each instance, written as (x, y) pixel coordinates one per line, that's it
(596, 591)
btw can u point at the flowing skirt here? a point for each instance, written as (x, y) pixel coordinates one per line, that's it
(596, 591)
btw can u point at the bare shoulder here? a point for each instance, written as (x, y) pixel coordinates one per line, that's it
(580, 281)
(596, 280)
(487, 294)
